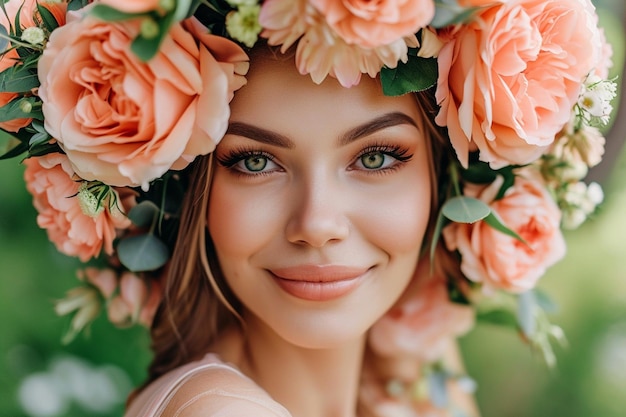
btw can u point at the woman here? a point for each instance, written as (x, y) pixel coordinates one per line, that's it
(307, 276)
(320, 199)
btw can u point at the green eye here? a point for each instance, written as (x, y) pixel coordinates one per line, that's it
(255, 163)
(373, 160)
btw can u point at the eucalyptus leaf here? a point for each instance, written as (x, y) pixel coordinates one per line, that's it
(449, 12)
(144, 214)
(545, 302)
(39, 139)
(498, 317)
(183, 9)
(494, 221)
(417, 74)
(438, 388)
(142, 253)
(526, 305)
(462, 209)
(4, 38)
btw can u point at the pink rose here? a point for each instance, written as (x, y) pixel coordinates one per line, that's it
(133, 6)
(27, 10)
(375, 23)
(321, 51)
(508, 79)
(105, 280)
(498, 260)
(137, 301)
(422, 322)
(126, 122)
(54, 186)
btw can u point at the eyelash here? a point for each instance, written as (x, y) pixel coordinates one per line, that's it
(237, 155)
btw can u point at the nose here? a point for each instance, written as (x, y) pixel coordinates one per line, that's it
(318, 214)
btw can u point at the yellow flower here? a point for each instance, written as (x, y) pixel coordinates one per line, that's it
(243, 25)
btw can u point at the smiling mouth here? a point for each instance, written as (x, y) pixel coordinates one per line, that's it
(318, 283)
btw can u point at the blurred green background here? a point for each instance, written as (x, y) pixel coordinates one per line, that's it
(92, 376)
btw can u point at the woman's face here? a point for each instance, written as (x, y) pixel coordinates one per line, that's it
(319, 204)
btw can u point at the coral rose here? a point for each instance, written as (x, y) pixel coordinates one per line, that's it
(51, 181)
(375, 23)
(321, 51)
(423, 321)
(28, 15)
(508, 80)
(126, 122)
(498, 260)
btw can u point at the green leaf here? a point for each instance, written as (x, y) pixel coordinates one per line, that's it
(77, 4)
(417, 74)
(13, 109)
(15, 150)
(142, 253)
(184, 9)
(38, 139)
(498, 317)
(146, 48)
(479, 173)
(18, 79)
(544, 301)
(110, 14)
(494, 221)
(144, 214)
(47, 17)
(4, 38)
(449, 12)
(463, 209)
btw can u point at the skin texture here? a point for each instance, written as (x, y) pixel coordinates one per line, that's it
(322, 199)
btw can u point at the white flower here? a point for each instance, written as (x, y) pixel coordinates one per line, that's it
(33, 35)
(595, 99)
(430, 44)
(88, 202)
(578, 202)
(243, 25)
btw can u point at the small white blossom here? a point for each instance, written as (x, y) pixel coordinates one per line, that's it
(33, 35)
(579, 201)
(595, 99)
(243, 25)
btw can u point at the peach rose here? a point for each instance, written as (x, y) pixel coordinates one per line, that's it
(105, 280)
(136, 303)
(372, 24)
(498, 260)
(320, 51)
(126, 122)
(422, 322)
(508, 80)
(54, 186)
(133, 6)
(27, 10)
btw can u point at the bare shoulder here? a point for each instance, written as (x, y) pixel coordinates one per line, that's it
(222, 391)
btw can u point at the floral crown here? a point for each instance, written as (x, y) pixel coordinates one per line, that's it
(521, 86)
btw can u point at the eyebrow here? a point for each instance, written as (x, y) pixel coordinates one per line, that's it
(370, 127)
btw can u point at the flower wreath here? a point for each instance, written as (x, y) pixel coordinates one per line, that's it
(521, 84)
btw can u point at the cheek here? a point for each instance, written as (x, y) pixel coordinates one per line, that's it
(240, 221)
(399, 223)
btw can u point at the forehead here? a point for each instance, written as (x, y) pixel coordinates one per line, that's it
(276, 96)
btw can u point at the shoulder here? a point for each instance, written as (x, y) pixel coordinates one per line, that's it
(222, 391)
(207, 388)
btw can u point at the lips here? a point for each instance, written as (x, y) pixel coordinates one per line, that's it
(318, 282)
